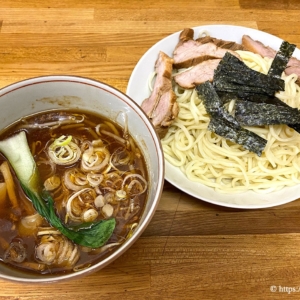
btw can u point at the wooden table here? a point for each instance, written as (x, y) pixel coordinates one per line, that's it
(191, 249)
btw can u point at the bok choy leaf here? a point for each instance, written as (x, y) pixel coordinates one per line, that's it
(16, 150)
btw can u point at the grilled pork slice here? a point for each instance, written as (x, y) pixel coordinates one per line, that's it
(257, 47)
(293, 66)
(220, 43)
(186, 35)
(189, 52)
(200, 73)
(161, 106)
(165, 113)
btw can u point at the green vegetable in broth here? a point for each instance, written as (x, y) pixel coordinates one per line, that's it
(17, 151)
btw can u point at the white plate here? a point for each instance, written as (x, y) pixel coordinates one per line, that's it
(138, 90)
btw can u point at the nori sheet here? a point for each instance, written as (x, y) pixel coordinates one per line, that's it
(209, 96)
(234, 91)
(254, 93)
(248, 139)
(281, 59)
(257, 114)
(257, 98)
(226, 97)
(224, 124)
(233, 75)
(296, 127)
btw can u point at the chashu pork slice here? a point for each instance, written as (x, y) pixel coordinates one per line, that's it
(188, 34)
(192, 52)
(293, 66)
(161, 106)
(189, 52)
(198, 74)
(185, 35)
(220, 43)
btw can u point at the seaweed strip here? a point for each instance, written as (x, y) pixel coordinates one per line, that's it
(229, 88)
(257, 98)
(281, 59)
(257, 114)
(224, 124)
(210, 98)
(227, 77)
(240, 89)
(295, 127)
(248, 139)
(254, 93)
(226, 97)
(213, 103)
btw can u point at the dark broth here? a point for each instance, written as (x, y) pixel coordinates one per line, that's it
(38, 140)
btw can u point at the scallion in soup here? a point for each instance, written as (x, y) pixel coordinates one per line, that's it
(73, 186)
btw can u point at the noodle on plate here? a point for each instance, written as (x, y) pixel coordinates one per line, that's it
(209, 159)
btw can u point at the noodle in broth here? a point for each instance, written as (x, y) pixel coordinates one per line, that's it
(93, 170)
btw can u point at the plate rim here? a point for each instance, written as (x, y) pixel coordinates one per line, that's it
(261, 201)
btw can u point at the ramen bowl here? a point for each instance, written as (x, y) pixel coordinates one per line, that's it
(68, 92)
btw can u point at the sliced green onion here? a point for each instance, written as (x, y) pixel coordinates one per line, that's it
(17, 151)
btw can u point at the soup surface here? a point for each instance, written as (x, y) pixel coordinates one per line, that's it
(93, 170)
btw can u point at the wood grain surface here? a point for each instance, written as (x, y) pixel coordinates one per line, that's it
(191, 249)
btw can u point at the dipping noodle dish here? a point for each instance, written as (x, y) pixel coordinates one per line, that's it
(76, 184)
(227, 112)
